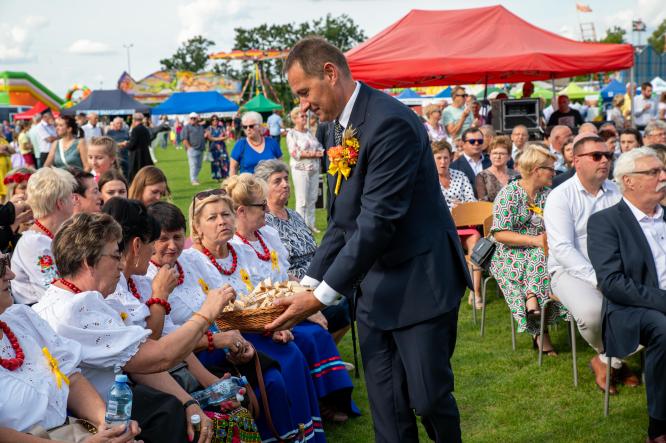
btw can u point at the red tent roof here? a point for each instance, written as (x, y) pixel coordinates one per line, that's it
(479, 45)
(37, 109)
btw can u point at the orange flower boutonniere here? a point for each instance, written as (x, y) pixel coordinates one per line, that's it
(341, 158)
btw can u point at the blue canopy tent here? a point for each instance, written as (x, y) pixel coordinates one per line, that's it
(199, 102)
(410, 97)
(444, 93)
(612, 89)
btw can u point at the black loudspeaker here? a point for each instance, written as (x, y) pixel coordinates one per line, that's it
(507, 114)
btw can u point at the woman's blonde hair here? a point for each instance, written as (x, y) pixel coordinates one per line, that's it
(501, 141)
(429, 109)
(245, 189)
(147, 176)
(618, 100)
(532, 157)
(441, 145)
(109, 145)
(46, 187)
(197, 206)
(294, 113)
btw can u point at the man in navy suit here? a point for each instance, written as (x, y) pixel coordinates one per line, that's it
(627, 247)
(391, 240)
(472, 161)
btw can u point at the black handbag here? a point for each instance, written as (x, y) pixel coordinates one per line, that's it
(483, 252)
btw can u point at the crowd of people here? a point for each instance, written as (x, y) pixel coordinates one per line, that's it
(104, 275)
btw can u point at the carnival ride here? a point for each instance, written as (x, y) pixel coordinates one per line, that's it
(21, 89)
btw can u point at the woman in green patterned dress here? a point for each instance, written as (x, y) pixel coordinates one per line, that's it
(519, 263)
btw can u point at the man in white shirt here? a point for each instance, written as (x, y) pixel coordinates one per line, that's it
(47, 135)
(519, 137)
(557, 139)
(567, 211)
(627, 248)
(34, 136)
(275, 125)
(92, 128)
(645, 107)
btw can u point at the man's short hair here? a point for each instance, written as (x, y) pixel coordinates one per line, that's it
(469, 131)
(605, 134)
(654, 126)
(633, 131)
(312, 53)
(646, 85)
(626, 163)
(520, 127)
(80, 176)
(455, 90)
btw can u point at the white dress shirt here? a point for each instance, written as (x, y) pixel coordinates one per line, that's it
(323, 292)
(654, 229)
(643, 117)
(477, 166)
(90, 131)
(559, 162)
(567, 210)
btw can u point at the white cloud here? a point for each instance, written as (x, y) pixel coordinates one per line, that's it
(16, 39)
(568, 32)
(205, 17)
(651, 11)
(89, 47)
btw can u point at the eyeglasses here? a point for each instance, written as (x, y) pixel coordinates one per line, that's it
(548, 168)
(4, 264)
(461, 95)
(499, 154)
(203, 194)
(115, 257)
(263, 206)
(249, 126)
(474, 141)
(654, 172)
(597, 155)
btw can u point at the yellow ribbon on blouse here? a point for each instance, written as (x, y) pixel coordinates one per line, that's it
(341, 169)
(274, 260)
(246, 279)
(204, 286)
(53, 363)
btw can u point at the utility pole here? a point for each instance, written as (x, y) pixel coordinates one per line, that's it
(127, 48)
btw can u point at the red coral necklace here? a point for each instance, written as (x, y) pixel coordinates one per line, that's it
(267, 253)
(12, 364)
(181, 274)
(234, 260)
(44, 229)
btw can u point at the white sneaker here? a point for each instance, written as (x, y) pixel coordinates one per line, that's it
(195, 183)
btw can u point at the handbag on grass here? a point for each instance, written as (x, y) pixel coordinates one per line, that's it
(73, 431)
(483, 252)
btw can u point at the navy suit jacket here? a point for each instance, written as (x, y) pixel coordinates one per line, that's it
(463, 165)
(626, 275)
(389, 227)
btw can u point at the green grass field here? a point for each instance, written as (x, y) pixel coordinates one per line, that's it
(502, 394)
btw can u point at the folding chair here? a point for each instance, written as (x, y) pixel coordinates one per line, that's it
(471, 214)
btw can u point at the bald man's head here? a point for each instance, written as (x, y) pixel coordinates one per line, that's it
(558, 137)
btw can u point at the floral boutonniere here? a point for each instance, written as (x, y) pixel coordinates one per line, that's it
(342, 157)
(534, 209)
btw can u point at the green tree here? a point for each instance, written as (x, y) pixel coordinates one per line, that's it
(657, 37)
(190, 56)
(341, 31)
(614, 35)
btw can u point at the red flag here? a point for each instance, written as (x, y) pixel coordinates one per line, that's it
(580, 7)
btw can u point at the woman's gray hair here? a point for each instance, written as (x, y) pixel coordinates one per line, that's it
(626, 163)
(251, 115)
(266, 168)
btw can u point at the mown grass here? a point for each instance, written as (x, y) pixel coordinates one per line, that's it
(502, 394)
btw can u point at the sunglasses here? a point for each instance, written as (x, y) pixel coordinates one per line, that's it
(203, 194)
(548, 168)
(474, 141)
(263, 206)
(462, 95)
(654, 172)
(249, 126)
(597, 155)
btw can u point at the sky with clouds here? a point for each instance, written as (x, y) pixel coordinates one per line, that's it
(63, 42)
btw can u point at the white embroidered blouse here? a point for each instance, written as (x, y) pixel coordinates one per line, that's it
(107, 340)
(34, 266)
(276, 266)
(30, 396)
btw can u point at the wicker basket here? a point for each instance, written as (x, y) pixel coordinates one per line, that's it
(249, 320)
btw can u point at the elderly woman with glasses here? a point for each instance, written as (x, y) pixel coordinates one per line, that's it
(50, 197)
(33, 390)
(270, 259)
(252, 149)
(519, 262)
(436, 131)
(297, 238)
(214, 261)
(306, 152)
(498, 175)
(87, 253)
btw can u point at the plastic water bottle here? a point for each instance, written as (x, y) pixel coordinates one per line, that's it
(225, 389)
(119, 404)
(196, 424)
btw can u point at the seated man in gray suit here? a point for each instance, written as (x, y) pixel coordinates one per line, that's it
(627, 247)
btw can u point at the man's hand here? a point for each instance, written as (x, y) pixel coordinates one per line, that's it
(299, 307)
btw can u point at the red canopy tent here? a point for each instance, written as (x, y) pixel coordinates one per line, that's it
(479, 45)
(37, 109)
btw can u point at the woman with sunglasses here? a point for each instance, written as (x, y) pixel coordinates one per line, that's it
(30, 394)
(519, 263)
(252, 149)
(269, 259)
(212, 262)
(216, 135)
(86, 250)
